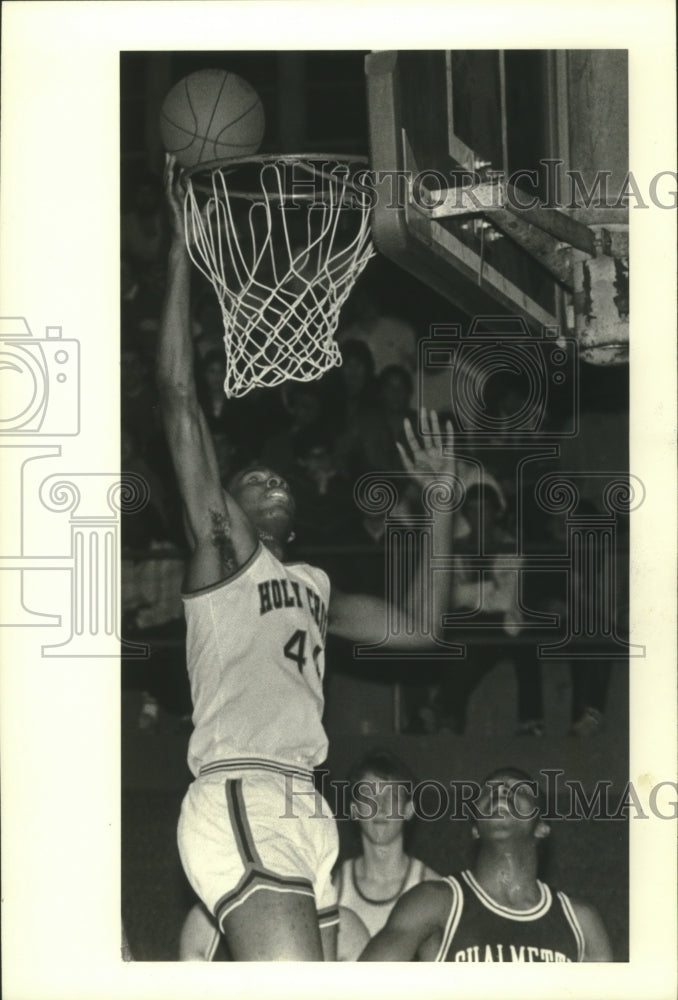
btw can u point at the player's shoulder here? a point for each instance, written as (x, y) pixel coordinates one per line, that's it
(432, 896)
(300, 566)
(266, 561)
(596, 943)
(584, 911)
(569, 902)
(424, 908)
(319, 573)
(314, 574)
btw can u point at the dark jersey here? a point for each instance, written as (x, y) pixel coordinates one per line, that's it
(479, 929)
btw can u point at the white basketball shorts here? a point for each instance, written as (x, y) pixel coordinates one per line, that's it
(247, 825)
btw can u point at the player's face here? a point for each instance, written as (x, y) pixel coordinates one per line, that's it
(507, 807)
(384, 810)
(264, 496)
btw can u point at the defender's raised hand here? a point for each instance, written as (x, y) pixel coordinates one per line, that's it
(434, 455)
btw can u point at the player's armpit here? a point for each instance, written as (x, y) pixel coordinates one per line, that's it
(418, 914)
(597, 946)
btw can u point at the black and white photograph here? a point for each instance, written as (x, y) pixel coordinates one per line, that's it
(338, 449)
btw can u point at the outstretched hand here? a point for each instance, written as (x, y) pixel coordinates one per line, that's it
(431, 457)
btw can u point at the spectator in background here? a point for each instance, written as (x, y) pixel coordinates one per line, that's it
(143, 246)
(158, 520)
(144, 440)
(357, 382)
(226, 454)
(229, 420)
(395, 387)
(138, 398)
(369, 444)
(363, 565)
(505, 400)
(370, 884)
(590, 680)
(365, 532)
(144, 236)
(391, 340)
(207, 320)
(589, 677)
(496, 595)
(305, 410)
(138, 313)
(324, 497)
(210, 375)
(152, 539)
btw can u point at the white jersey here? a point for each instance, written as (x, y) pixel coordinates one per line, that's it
(375, 912)
(255, 657)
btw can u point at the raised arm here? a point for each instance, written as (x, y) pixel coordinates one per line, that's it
(363, 618)
(220, 536)
(419, 915)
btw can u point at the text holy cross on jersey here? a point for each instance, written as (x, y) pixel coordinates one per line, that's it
(282, 593)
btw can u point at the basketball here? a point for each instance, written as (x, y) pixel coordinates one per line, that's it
(211, 115)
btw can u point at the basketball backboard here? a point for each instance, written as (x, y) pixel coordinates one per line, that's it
(452, 120)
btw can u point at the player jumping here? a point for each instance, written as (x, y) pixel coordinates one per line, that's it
(256, 852)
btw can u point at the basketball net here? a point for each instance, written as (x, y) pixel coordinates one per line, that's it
(282, 257)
